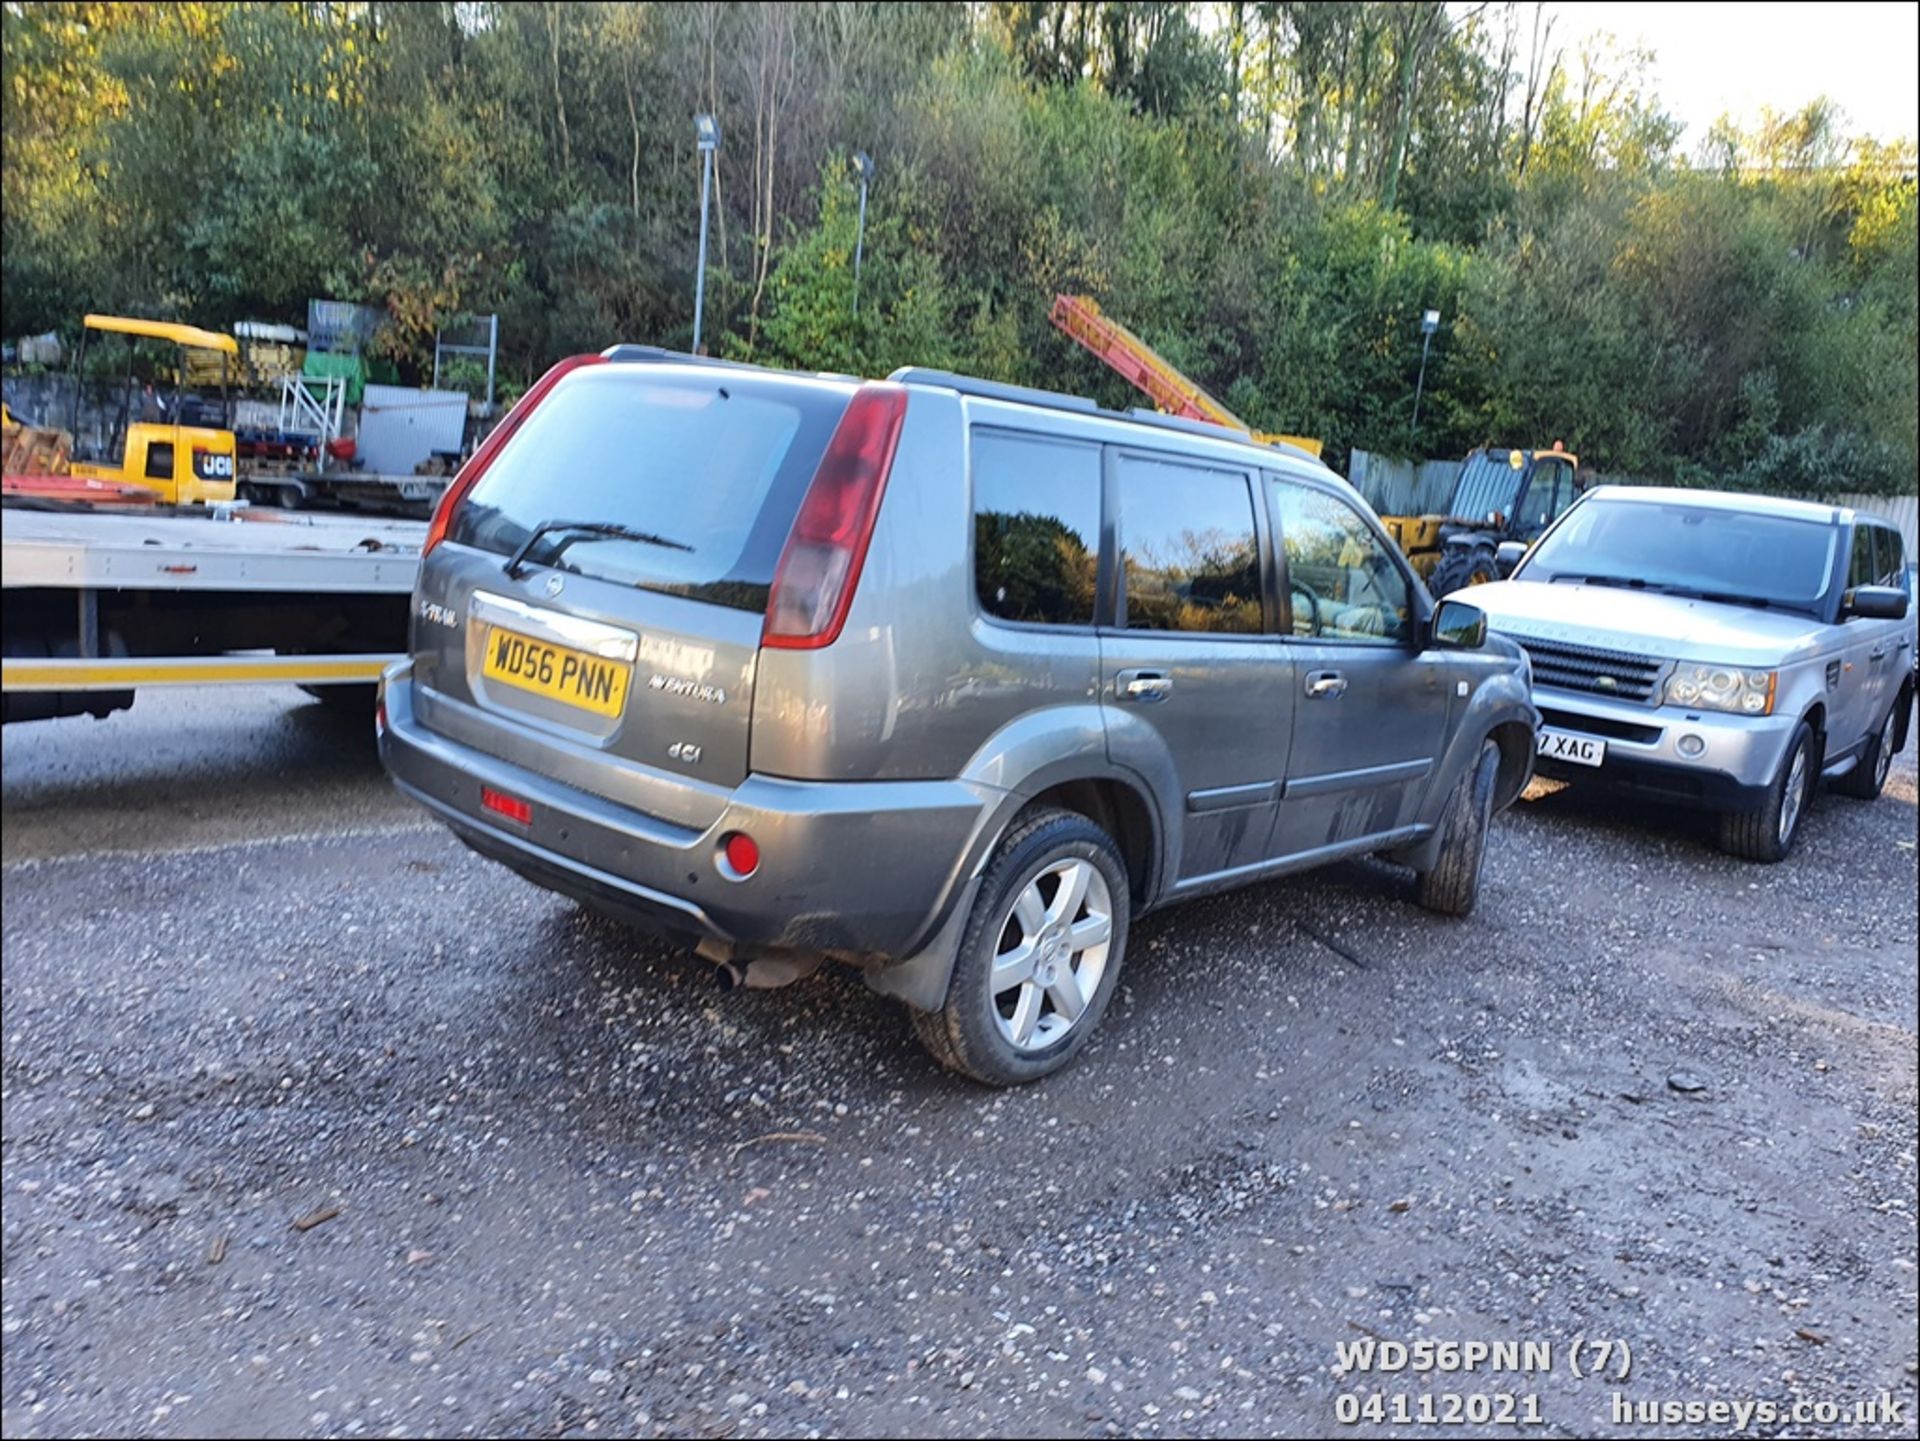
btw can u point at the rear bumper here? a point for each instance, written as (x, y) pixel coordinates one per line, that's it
(867, 868)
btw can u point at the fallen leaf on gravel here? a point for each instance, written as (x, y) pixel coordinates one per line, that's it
(1398, 1206)
(1814, 1336)
(217, 1252)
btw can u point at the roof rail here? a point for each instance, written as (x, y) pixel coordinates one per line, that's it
(1080, 404)
(1213, 428)
(1297, 452)
(993, 389)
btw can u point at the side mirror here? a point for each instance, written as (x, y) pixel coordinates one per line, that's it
(1458, 626)
(1876, 602)
(1509, 554)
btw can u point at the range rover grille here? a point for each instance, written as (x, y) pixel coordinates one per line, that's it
(1593, 671)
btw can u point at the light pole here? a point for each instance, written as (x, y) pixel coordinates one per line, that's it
(706, 131)
(863, 163)
(1429, 323)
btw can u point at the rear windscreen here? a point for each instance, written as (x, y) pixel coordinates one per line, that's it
(705, 472)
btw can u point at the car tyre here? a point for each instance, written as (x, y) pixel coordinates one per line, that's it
(1867, 779)
(1452, 886)
(1041, 954)
(1767, 833)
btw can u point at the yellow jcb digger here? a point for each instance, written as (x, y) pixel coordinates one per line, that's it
(158, 434)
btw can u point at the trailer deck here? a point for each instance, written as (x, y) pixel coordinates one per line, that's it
(107, 599)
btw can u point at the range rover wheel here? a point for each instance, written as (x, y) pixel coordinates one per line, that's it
(1866, 780)
(1041, 954)
(1453, 885)
(1768, 832)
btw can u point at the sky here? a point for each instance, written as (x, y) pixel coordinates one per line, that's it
(1736, 57)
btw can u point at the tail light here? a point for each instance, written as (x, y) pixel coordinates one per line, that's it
(819, 570)
(495, 442)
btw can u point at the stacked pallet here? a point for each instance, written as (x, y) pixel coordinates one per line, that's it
(33, 449)
(262, 363)
(270, 362)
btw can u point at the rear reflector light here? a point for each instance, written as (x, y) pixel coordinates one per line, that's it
(819, 570)
(380, 716)
(513, 808)
(495, 442)
(742, 853)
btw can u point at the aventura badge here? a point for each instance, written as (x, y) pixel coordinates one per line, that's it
(691, 689)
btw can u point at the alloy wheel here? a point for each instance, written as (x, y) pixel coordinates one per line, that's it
(1795, 798)
(1053, 951)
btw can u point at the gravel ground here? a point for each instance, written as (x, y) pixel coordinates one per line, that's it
(316, 1123)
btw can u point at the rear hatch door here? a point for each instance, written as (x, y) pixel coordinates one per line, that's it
(602, 587)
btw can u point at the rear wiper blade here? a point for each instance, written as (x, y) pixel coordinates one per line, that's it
(586, 527)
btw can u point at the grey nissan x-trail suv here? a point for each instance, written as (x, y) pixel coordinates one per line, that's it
(943, 679)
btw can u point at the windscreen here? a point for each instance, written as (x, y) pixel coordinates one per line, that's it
(1682, 549)
(701, 473)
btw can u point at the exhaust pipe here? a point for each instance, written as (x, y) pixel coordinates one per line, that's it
(766, 973)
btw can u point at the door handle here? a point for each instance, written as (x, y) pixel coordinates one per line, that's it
(1143, 685)
(1322, 683)
(1877, 655)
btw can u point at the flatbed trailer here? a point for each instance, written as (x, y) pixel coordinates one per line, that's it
(354, 490)
(99, 602)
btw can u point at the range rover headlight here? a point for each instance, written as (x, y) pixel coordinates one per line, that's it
(1722, 687)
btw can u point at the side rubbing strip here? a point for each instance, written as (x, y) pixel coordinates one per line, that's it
(1225, 798)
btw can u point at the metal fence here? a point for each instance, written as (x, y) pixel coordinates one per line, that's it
(1403, 487)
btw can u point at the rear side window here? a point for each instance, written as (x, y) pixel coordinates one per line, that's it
(1036, 527)
(1192, 558)
(711, 467)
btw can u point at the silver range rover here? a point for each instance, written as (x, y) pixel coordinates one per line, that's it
(1718, 650)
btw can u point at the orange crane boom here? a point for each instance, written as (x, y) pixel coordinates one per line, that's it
(1080, 318)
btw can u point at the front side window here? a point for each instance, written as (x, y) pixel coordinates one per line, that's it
(1192, 555)
(1036, 527)
(1341, 582)
(1861, 571)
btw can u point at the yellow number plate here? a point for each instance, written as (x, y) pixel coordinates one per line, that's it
(572, 677)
